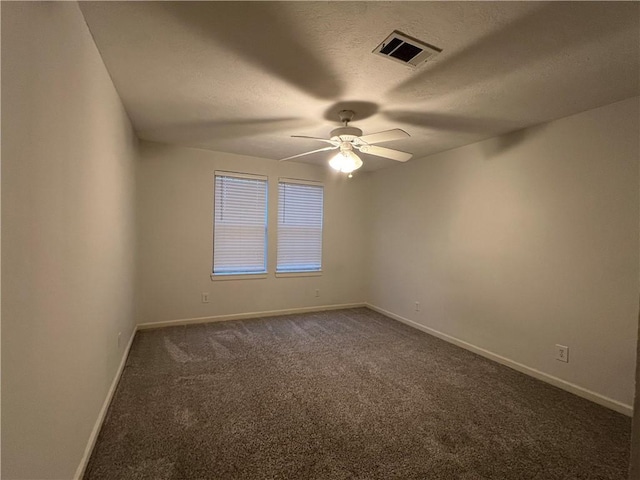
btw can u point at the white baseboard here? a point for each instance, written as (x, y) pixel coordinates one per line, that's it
(103, 412)
(532, 372)
(243, 316)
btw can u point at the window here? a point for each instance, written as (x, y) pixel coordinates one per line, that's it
(240, 224)
(299, 226)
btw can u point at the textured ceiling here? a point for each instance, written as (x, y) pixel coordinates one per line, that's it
(242, 77)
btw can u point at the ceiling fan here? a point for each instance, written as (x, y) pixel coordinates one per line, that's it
(347, 139)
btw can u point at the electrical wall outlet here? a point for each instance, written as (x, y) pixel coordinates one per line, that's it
(205, 297)
(317, 292)
(562, 353)
(417, 306)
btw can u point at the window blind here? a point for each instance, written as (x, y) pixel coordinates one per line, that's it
(299, 227)
(240, 224)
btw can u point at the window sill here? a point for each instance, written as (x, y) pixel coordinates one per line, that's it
(315, 273)
(238, 276)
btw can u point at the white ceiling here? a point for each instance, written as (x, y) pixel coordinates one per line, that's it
(242, 77)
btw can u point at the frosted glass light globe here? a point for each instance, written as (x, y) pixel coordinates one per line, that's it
(345, 161)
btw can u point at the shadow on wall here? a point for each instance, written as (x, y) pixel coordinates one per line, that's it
(498, 145)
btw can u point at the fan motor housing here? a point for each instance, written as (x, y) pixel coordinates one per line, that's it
(346, 133)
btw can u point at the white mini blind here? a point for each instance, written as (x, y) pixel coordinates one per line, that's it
(240, 224)
(299, 227)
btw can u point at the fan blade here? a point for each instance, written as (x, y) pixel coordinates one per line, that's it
(386, 136)
(385, 152)
(332, 142)
(308, 153)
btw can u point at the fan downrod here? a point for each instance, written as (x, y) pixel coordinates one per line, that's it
(346, 133)
(346, 116)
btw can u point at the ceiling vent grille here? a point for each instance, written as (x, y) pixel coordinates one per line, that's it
(406, 50)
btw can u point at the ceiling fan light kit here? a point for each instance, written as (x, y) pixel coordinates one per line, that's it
(345, 161)
(348, 139)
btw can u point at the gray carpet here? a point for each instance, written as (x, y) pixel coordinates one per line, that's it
(337, 395)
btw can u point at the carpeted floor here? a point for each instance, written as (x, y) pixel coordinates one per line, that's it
(346, 394)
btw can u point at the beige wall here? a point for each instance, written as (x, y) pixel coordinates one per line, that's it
(522, 242)
(175, 228)
(68, 237)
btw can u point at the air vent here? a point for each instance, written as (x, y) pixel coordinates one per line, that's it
(406, 50)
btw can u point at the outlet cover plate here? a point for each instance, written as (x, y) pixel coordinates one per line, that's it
(562, 353)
